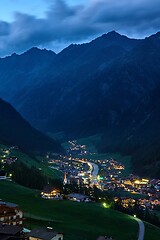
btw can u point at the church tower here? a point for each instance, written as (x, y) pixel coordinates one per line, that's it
(65, 179)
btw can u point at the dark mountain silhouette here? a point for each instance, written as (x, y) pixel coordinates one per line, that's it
(137, 134)
(88, 89)
(14, 130)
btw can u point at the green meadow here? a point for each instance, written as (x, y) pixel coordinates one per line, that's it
(80, 221)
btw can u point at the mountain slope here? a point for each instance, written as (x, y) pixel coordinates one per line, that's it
(137, 135)
(97, 81)
(91, 88)
(16, 131)
(72, 80)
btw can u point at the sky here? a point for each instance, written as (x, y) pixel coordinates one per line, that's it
(55, 24)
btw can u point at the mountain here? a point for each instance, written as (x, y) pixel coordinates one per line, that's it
(90, 88)
(63, 82)
(137, 134)
(14, 130)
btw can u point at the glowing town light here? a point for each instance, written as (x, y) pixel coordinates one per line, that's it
(104, 205)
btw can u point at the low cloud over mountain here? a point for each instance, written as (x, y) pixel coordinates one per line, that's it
(64, 23)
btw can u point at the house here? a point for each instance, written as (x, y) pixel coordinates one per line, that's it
(44, 234)
(9, 232)
(3, 175)
(78, 197)
(51, 193)
(10, 214)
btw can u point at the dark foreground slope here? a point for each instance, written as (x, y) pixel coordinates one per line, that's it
(62, 216)
(16, 131)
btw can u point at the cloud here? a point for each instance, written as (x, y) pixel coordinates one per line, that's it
(4, 28)
(64, 23)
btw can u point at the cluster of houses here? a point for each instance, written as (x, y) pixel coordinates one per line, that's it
(11, 226)
(110, 176)
(148, 191)
(52, 193)
(77, 170)
(11, 223)
(10, 232)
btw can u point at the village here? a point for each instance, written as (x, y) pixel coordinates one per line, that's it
(81, 176)
(106, 175)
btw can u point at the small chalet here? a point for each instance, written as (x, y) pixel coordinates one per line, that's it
(44, 234)
(8, 232)
(78, 197)
(51, 193)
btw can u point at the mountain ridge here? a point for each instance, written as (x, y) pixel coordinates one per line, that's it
(88, 88)
(14, 130)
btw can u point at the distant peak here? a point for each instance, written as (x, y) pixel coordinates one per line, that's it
(112, 36)
(36, 50)
(113, 33)
(14, 54)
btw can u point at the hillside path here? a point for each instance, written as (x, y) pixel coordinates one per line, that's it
(141, 229)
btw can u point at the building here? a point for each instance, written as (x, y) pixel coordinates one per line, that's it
(65, 179)
(51, 193)
(10, 214)
(8, 232)
(3, 175)
(44, 234)
(78, 197)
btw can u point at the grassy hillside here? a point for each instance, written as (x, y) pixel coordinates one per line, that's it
(37, 162)
(76, 220)
(30, 171)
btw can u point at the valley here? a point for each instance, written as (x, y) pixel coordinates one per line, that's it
(104, 87)
(84, 169)
(79, 138)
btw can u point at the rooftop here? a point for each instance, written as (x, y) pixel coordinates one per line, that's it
(9, 229)
(77, 196)
(8, 204)
(43, 233)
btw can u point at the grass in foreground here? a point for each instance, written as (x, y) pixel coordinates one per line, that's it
(76, 220)
(151, 232)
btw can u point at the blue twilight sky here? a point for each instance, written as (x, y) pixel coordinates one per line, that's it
(54, 24)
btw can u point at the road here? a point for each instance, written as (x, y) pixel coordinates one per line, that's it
(94, 169)
(94, 172)
(141, 229)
